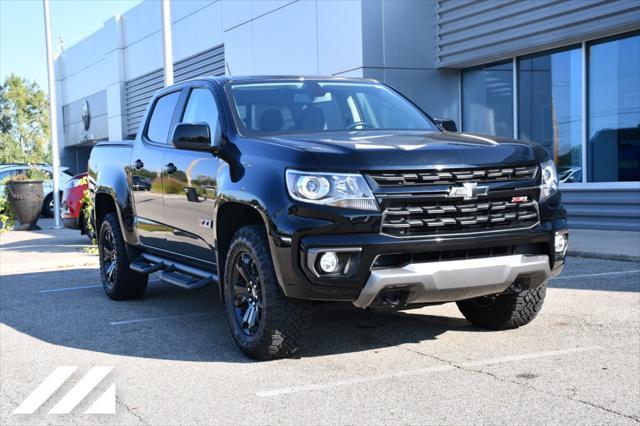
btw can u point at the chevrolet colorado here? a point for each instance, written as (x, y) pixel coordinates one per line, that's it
(286, 190)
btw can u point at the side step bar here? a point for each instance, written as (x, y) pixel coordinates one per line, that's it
(176, 273)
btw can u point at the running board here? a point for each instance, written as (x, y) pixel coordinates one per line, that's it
(176, 273)
(184, 281)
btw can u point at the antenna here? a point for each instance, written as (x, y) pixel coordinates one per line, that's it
(226, 64)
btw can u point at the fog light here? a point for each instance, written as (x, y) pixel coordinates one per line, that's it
(329, 262)
(561, 243)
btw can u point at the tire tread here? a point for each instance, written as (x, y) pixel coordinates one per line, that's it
(508, 311)
(288, 320)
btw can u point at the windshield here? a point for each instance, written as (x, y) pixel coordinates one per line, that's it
(320, 106)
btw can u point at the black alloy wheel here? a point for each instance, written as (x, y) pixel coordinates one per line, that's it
(118, 280)
(108, 259)
(247, 293)
(264, 323)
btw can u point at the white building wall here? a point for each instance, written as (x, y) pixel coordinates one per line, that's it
(304, 37)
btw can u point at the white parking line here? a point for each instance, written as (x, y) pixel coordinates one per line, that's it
(158, 318)
(599, 274)
(55, 290)
(434, 369)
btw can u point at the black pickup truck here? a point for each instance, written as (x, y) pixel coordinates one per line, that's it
(288, 191)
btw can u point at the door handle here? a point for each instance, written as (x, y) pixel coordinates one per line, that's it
(171, 168)
(138, 164)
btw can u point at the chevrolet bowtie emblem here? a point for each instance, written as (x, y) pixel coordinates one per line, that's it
(468, 190)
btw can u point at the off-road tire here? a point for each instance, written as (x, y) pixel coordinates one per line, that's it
(126, 284)
(284, 321)
(504, 311)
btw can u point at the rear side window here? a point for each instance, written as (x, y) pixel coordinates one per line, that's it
(158, 130)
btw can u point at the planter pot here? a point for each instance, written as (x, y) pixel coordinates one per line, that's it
(25, 198)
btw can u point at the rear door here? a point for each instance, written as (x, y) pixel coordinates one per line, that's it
(146, 171)
(189, 183)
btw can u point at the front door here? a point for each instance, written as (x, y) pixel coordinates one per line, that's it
(146, 172)
(189, 183)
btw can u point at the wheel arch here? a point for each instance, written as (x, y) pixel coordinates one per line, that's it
(105, 203)
(230, 217)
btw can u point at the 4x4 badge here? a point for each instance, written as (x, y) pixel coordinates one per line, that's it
(468, 190)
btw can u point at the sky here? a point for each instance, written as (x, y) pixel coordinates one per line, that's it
(22, 43)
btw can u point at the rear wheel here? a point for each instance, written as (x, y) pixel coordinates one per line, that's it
(504, 311)
(118, 280)
(265, 324)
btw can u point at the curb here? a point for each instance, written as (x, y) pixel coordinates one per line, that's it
(606, 256)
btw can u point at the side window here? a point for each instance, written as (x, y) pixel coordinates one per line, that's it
(201, 107)
(158, 130)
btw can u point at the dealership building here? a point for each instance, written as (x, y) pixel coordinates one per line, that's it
(563, 73)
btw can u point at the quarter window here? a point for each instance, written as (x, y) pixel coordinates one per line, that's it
(160, 121)
(201, 108)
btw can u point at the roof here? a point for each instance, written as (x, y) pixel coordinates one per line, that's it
(249, 78)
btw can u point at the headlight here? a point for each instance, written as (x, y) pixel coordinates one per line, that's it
(331, 189)
(549, 184)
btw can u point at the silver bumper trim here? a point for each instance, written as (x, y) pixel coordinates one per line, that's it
(455, 279)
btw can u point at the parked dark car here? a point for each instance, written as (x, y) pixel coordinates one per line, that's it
(288, 190)
(138, 183)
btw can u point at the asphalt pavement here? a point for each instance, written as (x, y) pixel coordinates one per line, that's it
(174, 361)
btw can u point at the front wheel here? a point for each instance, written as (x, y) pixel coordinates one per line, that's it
(265, 324)
(504, 311)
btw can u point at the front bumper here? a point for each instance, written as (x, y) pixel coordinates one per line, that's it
(454, 280)
(291, 260)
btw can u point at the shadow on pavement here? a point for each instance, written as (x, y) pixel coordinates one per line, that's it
(198, 330)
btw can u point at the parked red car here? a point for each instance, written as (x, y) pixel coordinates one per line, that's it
(72, 205)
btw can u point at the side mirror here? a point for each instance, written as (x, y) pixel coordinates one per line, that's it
(446, 124)
(193, 137)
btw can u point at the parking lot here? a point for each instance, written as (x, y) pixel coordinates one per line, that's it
(175, 362)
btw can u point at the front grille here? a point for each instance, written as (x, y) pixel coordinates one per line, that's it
(443, 177)
(405, 218)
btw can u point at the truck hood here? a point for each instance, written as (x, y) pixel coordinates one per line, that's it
(383, 150)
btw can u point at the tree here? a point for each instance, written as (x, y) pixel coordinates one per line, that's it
(24, 122)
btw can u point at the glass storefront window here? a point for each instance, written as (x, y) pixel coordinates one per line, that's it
(613, 145)
(550, 107)
(487, 105)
